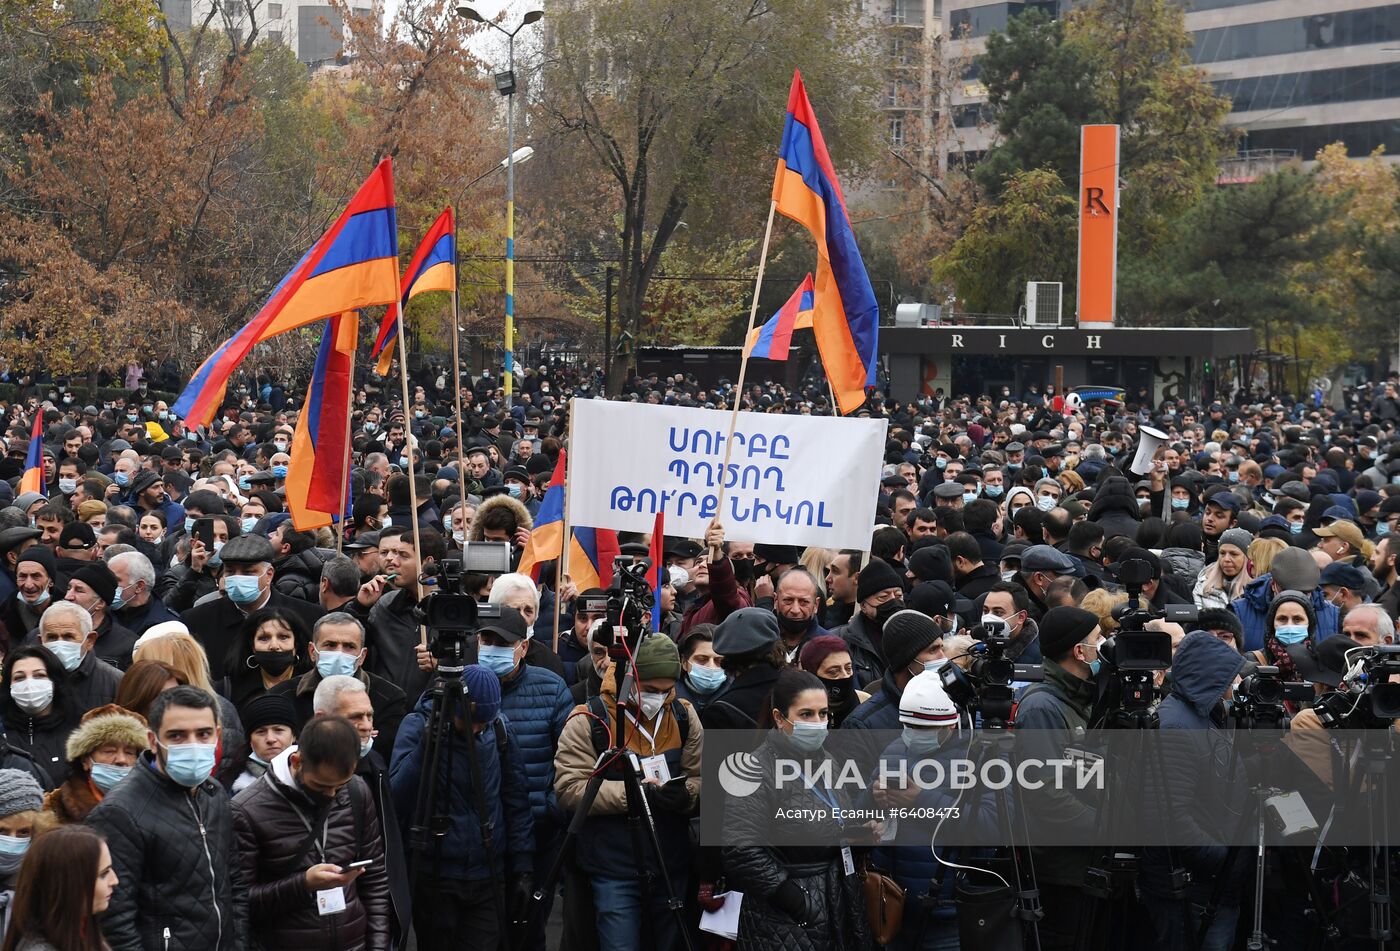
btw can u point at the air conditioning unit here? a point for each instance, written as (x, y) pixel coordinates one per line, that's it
(1044, 300)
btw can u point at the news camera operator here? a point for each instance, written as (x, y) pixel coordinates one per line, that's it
(457, 887)
(1200, 808)
(1055, 712)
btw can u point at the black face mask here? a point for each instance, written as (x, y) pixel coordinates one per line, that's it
(743, 570)
(840, 693)
(888, 610)
(789, 626)
(274, 662)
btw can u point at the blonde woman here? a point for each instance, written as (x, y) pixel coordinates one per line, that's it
(1101, 603)
(171, 644)
(1223, 580)
(817, 560)
(1261, 555)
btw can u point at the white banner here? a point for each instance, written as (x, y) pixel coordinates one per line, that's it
(792, 480)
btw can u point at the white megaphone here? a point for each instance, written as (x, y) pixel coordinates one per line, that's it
(1150, 440)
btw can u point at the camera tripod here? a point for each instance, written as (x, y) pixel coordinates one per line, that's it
(449, 700)
(1375, 752)
(618, 762)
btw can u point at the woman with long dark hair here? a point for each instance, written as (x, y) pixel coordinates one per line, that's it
(66, 881)
(273, 646)
(36, 709)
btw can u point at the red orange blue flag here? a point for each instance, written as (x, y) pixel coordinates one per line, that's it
(591, 550)
(845, 314)
(354, 264)
(33, 478)
(774, 338)
(656, 573)
(433, 268)
(316, 476)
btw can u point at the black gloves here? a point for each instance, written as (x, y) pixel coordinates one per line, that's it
(669, 797)
(791, 900)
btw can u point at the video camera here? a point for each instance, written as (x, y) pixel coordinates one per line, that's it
(1365, 699)
(985, 687)
(450, 613)
(1134, 654)
(1259, 699)
(625, 605)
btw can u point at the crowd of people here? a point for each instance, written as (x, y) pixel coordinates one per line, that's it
(218, 730)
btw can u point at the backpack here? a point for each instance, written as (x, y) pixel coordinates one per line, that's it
(599, 732)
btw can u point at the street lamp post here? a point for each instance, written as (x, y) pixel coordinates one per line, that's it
(505, 85)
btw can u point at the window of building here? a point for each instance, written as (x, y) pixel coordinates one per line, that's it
(1314, 88)
(274, 11)
(276, 36)
(1297, 35)
(897, 132)
(1360, 138)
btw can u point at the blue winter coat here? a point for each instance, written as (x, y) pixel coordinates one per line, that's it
(1253, 610)
(537, 702)
(460, 855)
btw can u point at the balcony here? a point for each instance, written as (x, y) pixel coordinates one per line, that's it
(1252, 164)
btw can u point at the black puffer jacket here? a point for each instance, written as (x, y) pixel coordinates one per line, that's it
(275, 850)
(172, 852)
(776, 882)
(298, 575)
(1116, 508)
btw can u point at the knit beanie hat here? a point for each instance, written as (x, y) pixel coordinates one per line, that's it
(876, 577)
(818, 649)
(1063, 627)
(97, 576)
(1238, 537)
(19, 792)
(907, 634)
(484, 691)
(40, 554)
(657, 657)
(268, 710)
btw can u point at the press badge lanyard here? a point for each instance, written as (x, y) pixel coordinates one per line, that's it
(643, 730)
(848, 864)
(325, 826)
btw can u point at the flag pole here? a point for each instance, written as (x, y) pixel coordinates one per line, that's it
(457, 381)
(408, 440)
(744, 365)
(349, 425)
(561, 567)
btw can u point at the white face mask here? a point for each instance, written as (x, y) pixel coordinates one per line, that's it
(32, 695)
(652, 704)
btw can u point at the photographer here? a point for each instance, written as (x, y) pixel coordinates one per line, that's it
(456, 887)
(1056, 711)
(629, 898)
(1200, 808)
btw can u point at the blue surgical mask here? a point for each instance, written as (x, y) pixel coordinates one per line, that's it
(1382, 529)
(242, 589)
(44, 596)
(1045, 502)
(279, 472)
(969, 497)
(280, 445)
(104, 777)
(248, 524)
(707, 679)
(14, 844)
(371, 427)
(403, 463)
(499, 660)
(808, 737)
(189, 764)
(920, 742)
(992, 491)
(1181, 505)
(1233, 475)
(69, 653)
(933, 666)
(1291, 633)
(941, 463)
(189, 524)
(244, 484)
(335, 664)
(1395, 479)
(1013, 466)
(67, 486)
(1295, 527)
(121, 477)
(513, 490)
(164, 414)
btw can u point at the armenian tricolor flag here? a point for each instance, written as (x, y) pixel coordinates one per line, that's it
(846, 317)
(354, 264)
(591, 550)
(656, 572)
(433, 268)
(772, 340)
(316, 475)
(33, 478)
